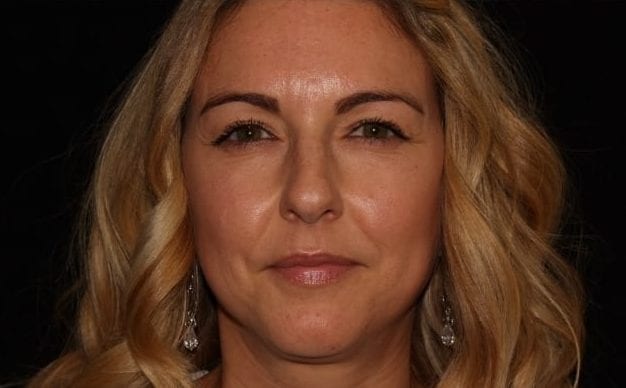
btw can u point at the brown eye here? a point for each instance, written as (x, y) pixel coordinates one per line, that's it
(374, 130)
(243, 133)
(248, 133)
(378, 129)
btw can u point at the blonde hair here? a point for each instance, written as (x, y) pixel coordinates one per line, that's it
(517, 303)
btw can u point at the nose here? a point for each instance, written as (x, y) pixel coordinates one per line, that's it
(311, 192)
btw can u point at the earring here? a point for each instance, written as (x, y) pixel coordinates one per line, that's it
(448, 338)
(190, 339)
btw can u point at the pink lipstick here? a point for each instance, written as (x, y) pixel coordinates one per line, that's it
(313, 270)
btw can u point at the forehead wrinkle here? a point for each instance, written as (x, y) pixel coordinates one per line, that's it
(291, 48)
(300, 36)
(303, 27)
(309, 87)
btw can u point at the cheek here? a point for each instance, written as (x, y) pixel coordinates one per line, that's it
(397, 209)
(398, 206)
(228, 208)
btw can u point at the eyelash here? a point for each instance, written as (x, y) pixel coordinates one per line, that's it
(231, 128)
(390, 125)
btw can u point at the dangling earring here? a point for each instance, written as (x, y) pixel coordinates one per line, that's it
(190, 339)
(448, 338)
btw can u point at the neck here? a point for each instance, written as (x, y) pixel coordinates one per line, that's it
(380, 361)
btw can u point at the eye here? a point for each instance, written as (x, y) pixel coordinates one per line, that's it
(377, 129)
(243, 132)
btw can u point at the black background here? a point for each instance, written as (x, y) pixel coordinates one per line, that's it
(63, 61)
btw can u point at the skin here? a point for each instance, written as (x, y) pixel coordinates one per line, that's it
(314, 180)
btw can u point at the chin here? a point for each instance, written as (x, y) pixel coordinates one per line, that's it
(315, 336)
(315, 349)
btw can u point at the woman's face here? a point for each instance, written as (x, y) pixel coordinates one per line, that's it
(313, 155)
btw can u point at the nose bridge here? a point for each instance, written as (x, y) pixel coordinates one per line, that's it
(310, 191)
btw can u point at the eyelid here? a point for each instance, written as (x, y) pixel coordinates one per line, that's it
(232, 127)
(392, 126)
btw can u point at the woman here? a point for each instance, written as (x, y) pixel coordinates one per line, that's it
(362, 190)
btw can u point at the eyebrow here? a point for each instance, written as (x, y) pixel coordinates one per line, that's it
(267, 103)
(342, 106)
(352, 101)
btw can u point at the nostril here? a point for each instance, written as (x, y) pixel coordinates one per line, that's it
(310, 210)
(310, 191)
(310, 201)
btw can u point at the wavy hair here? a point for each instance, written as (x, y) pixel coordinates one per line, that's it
(517, 303)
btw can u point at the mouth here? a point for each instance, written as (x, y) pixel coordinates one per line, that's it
(313, 270)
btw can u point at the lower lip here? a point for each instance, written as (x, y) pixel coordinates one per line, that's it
(316, 276)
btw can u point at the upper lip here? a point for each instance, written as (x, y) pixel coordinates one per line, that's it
(312, 260)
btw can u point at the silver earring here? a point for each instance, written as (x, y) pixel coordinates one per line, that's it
(190, 339)
(448, 338)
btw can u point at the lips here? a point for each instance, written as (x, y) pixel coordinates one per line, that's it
(313, 270)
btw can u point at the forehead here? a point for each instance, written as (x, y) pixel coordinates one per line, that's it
(273, 44)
